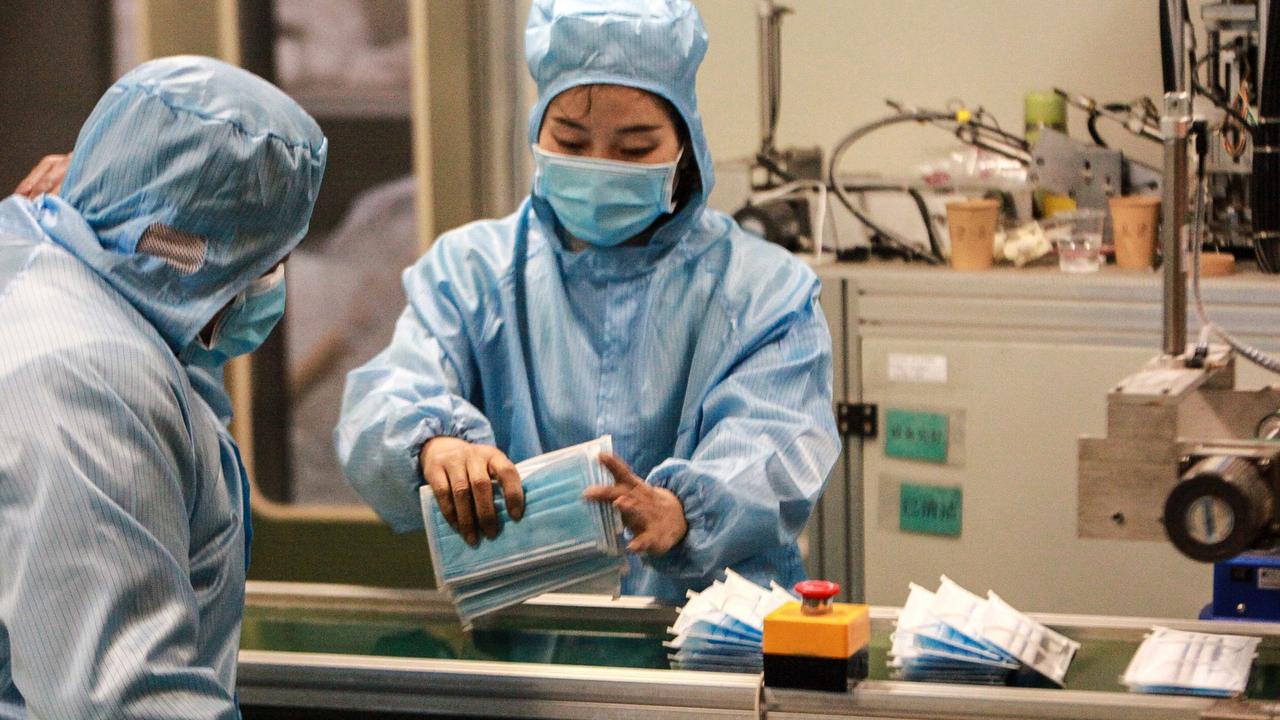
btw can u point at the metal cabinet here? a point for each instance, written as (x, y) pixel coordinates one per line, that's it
(1018, 362)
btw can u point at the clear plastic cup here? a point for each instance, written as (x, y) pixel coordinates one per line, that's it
(1077, 235)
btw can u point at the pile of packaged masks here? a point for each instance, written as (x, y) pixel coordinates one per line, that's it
(562, 540)
(1190, 663)
(722, 627)
(954, 636)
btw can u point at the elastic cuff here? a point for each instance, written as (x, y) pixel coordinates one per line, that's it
(678, 561)
(431, 428)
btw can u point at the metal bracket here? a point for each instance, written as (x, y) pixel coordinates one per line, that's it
(858, 419)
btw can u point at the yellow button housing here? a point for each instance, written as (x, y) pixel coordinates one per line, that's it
(837, 634)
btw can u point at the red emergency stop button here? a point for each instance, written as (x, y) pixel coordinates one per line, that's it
(817, 589)
(816, 595)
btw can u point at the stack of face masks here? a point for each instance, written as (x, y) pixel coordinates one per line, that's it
(722, 627)
(562, 539)
(1189, 663)
(955, 636)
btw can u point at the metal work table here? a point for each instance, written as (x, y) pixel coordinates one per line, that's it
(330, 651)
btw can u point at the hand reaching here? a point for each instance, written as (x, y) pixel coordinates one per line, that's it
(655, 516)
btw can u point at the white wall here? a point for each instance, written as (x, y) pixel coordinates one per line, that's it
(842, 58)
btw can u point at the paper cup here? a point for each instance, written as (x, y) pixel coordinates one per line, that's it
(1213, 264)
(1134, 222)
(972, 225)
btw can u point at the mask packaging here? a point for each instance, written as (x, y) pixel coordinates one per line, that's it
(1176, 662)
(562, 540)
(722, 628)
(1044, 651)
(955, 636)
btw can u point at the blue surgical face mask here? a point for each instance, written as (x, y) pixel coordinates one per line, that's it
(556, 520)
(562, 539)
(244, 326)
(604, 202)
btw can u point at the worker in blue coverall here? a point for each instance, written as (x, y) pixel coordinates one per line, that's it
(612, 302)
(124, 507)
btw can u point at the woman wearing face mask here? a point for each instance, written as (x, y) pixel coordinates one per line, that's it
(612, 302)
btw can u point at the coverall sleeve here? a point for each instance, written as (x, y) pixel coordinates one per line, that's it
(95, 592)
(414, 390)
(768, 440)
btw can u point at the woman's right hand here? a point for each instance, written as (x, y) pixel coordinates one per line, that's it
(460, 475)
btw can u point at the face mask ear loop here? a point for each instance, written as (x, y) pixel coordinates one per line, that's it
(675, 179)
(266, 282)
(222, 317)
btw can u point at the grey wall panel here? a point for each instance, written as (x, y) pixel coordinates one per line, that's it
(1030, 355)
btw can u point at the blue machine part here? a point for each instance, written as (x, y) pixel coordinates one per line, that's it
(1246, 587)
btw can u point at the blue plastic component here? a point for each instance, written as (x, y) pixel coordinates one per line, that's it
(1246, 587)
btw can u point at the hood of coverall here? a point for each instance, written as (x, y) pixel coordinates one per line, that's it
(653, 45)
(190, 179)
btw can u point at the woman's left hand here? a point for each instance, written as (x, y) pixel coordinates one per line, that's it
(45, 177)
(654, 515)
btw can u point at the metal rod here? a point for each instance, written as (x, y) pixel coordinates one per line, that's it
(1177, 42)
(1264, 17)
(1212, 51)
(1175, 125)
(770, 59)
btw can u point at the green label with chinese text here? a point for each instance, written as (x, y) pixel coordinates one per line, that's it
(930, 509)
(915, 435)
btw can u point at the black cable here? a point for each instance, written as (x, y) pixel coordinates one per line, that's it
(773, 168)
(837, 187)
(881, 235)
(921, 207)
(1094, 116)
(1168, 63)
(1092, 125)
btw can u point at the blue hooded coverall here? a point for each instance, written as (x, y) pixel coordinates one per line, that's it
(123, 503)
(703, 352)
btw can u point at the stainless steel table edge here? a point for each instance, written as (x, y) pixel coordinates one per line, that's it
(934, 700)
(498, 689)
(433, 604)
(468, 687)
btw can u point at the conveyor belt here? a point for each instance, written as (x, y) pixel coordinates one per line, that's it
(360, 652)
